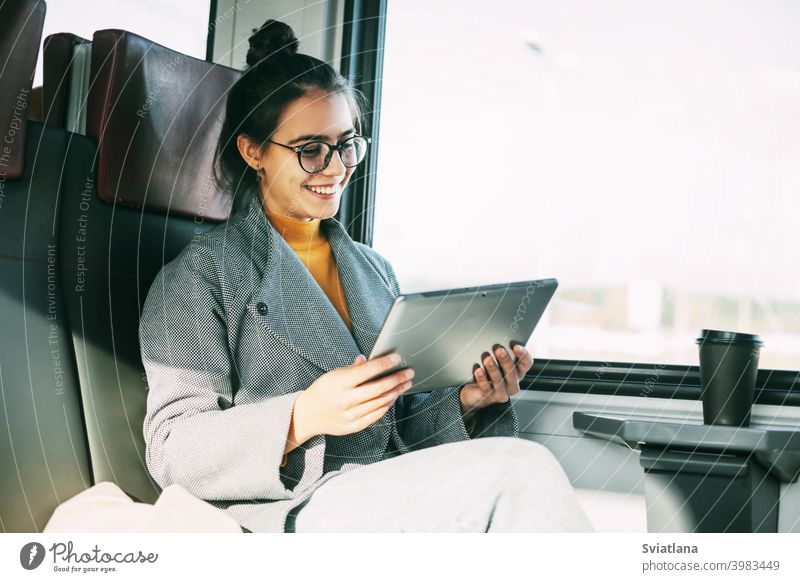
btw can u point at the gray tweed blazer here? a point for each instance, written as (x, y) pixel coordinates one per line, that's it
(232, 331)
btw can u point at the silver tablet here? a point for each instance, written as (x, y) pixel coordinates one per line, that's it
(442, 334)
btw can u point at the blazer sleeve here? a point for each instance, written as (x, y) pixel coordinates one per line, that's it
(194, 435)
(428, 419)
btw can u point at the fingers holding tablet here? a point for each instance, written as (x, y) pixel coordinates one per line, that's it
(524, 360)
(492, 370)
(496, 377)
(398, 381)
(508, 370)
(365, 370)
(348, 399)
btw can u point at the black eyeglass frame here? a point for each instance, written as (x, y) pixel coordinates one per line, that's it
(331, 147)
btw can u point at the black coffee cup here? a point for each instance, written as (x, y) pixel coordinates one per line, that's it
(728, 368)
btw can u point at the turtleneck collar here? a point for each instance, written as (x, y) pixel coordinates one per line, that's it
(303, 234)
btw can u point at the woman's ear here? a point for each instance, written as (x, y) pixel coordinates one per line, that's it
(249, 151)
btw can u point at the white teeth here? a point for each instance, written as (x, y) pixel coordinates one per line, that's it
(325, 190)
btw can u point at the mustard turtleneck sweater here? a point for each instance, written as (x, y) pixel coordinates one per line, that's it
(306, 238)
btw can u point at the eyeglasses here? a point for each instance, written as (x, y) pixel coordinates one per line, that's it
(314, 156)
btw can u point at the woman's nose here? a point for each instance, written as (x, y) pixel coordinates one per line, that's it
(335, 166)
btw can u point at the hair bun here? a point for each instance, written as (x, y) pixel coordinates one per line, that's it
(271, 39)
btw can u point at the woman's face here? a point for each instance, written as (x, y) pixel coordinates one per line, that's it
(285, 185)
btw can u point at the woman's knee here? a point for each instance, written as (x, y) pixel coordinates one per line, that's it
(521, 458)
(513, 447)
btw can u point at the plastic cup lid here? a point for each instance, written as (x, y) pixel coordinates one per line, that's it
(728, 337)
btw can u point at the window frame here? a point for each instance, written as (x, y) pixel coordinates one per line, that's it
(682, 382)
(212, 28)
(363, 40)
(363, 47)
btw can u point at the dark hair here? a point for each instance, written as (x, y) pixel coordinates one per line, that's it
(276, 74)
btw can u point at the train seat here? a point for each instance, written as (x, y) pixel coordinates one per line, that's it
(43, 451)
(154, 115)
(66, 64)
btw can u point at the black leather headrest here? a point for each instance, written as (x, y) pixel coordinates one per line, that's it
(156, 114)
(21, 25)
(58, 60)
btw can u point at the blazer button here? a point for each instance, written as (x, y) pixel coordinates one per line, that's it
(261, 307)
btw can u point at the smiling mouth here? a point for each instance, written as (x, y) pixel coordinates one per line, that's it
(323, 190)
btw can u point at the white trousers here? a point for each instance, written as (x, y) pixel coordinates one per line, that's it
(493, 484)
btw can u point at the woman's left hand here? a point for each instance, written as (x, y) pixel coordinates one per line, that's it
(495, 384)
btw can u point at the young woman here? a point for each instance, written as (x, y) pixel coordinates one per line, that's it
(260, 396)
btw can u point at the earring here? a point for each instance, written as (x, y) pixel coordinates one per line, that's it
(259, 174)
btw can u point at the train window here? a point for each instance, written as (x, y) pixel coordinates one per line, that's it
(644, 154)
(181, 25)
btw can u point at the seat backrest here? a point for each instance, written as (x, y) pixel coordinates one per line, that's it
(21, 25)
(43, 446)
(156, 115)
(66, 64)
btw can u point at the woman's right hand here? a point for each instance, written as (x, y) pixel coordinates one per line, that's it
(344, 401)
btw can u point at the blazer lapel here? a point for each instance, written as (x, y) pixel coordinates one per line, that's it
(369, 298)
(298, 312)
